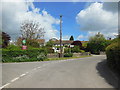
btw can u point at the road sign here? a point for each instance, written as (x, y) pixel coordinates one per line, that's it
(24, 41)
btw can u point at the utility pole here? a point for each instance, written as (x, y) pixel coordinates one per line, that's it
(60, 36)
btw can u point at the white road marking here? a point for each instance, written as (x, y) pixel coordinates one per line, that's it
(26, 72)
(4, 86)
(35, 69)
(38, 67)
(22, 75)
(15, 79)
(32, 70)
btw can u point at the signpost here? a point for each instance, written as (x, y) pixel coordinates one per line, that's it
(24, 47)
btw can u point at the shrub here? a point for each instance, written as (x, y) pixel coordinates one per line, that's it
(75, 49)
(23, 55)
(33, 43)
(67, 50)
(113, 56)
(13, 47)
(49, 50)
(68, 55)
(82, 51)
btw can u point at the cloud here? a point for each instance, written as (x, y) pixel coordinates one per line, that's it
(66, 37)
(97, 18)
(14, 13)
(112, 7)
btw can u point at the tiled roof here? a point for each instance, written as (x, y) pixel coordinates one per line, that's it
(40, 40)
(84, 41)
(63, 42)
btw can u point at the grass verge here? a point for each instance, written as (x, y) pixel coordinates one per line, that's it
(51, 59)
(65, 58)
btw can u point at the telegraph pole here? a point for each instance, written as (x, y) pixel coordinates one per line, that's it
(60, 36)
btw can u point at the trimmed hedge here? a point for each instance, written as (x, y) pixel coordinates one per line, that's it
(113, 56)
(23, 55)
(68, 55)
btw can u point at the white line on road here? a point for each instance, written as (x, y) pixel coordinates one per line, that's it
(22, 75)
(15, 79)
(26, 72)
(4, 86)
(32, 70)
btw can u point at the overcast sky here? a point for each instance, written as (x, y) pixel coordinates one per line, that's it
(80, 19)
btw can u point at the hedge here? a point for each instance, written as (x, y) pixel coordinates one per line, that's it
(23, 55)
(68, 55)
(113, 56)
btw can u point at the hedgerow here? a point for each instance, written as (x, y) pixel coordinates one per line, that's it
(23, 55)
(113, 56)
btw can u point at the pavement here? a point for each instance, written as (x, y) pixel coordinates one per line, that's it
(89, 72)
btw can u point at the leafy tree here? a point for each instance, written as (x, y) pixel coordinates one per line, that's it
(32, 30)
(50, 43)
(5, 39)
(75, 49)
(97, 43)
(71, 38)
(33, 43)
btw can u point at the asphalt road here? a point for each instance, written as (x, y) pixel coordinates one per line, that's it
(89, 72)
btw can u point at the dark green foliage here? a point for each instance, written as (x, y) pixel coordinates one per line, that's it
(97, 43)
(32, 43)
(71, 38)
(50, 43)
(23, 55)
(5, 39)
(68, 55)
(113, 56)
(75, 49)
(67, 50)
(49, 50)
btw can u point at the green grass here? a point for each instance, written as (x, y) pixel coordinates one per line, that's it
(51, 59)
(65, 58)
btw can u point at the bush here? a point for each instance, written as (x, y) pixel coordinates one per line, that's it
(67, 50)
(68, 55)
(113, 56)
(82, 51)
(13, 47)
(75, 49)
(33, 43)
(23, 55)
(49, 50)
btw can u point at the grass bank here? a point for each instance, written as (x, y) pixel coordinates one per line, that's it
(65, 58)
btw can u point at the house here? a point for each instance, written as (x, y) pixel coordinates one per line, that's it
(41, 41)
(77, 43)
(84, 42)
(64, 43)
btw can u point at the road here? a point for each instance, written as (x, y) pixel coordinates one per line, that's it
(89, 72)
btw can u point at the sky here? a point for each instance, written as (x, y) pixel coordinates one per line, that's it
(80, 19)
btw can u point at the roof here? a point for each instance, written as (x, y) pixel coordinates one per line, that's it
(84, 41)
(63, 42)
(38, 40)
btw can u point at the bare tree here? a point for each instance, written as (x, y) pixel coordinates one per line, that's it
(32, 30)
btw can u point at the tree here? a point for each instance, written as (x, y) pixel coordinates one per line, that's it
(71, 38)
(32, 30)
(97, 43)
(5, 39)
(75, 49)
(50, 43)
